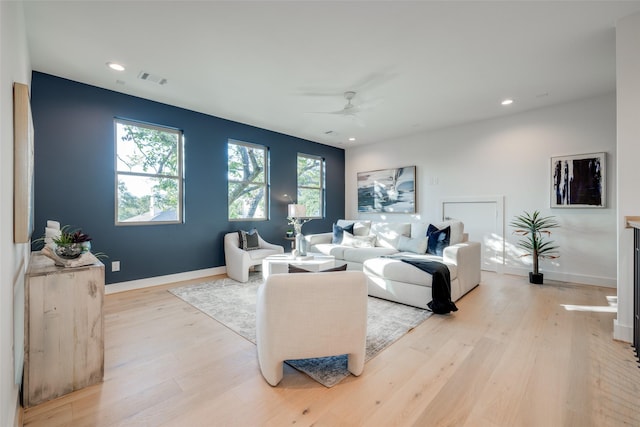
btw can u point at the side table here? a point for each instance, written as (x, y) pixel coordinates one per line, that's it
(63, 329)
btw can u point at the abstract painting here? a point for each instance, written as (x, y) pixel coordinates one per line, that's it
(387, 190)
(578, 181)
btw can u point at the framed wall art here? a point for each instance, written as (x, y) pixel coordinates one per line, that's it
(579, 181)
(387, 190)
(22, 165)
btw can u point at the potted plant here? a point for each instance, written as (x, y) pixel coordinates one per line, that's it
(71, 243)
(533, 227)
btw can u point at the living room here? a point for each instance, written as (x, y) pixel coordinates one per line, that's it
(502, 156)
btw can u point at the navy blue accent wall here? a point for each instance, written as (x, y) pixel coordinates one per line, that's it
(75, 178)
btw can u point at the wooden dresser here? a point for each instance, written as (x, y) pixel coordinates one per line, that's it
(64, 330)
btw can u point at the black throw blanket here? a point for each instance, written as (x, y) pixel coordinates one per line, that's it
(440, 285)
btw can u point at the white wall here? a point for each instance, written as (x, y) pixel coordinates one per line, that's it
(628, 105)
(510, 157)
(14, 67)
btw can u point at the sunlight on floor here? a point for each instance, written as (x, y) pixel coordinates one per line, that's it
(611, 308)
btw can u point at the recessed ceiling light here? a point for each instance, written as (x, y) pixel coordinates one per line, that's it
(115, 66)
(507, 102)
(352, 139)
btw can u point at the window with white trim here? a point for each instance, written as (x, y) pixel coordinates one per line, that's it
(311, 184)
(148, 174)
(248, 181)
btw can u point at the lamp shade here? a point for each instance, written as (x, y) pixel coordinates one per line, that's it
(297, 211)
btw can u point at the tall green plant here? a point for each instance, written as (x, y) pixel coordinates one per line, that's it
(533, 227)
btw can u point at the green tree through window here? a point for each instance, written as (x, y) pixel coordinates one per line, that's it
(311, 184)
(149, 174)
(247, 180)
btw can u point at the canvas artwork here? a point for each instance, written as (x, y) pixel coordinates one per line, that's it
(578, 181)
(387, 190)
(22, 164)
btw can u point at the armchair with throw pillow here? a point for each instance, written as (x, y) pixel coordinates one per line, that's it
(244, 249)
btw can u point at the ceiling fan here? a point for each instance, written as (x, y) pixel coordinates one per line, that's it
(349, 110)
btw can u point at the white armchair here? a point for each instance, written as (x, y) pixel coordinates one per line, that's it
(238, 261)
(306, 315)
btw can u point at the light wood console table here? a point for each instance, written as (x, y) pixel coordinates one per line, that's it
(64, 330)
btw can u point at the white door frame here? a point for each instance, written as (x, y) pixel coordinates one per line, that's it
(499, 201)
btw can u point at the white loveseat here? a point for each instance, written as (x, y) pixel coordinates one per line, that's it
(392, 279)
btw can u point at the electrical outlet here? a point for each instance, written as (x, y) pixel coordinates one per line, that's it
(115, 266)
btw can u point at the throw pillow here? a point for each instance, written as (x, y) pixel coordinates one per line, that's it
(417, 245)
(294, 269)
(338, 231)
(438, 239)
(349, 239)
(249, 239)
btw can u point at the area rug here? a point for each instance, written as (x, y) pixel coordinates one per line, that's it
(234, 305)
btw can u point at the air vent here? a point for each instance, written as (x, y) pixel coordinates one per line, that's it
(152, 78)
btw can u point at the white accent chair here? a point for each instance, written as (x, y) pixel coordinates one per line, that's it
(308, 315)
(238, 261)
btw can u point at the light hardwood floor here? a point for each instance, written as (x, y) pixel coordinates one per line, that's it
(514, 354)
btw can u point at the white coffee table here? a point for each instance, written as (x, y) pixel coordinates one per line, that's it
(280, 263)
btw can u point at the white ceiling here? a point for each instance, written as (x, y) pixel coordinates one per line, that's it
(415, 66)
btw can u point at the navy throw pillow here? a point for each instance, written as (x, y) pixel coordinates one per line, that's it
(438, 239)
(249, 239)
(338, 232)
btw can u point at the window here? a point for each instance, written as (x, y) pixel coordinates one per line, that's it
(148, 174)
(311, 184)
(248, 181)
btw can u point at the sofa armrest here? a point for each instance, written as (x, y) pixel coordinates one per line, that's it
(266, 245)
(315, 239)
(467, 257)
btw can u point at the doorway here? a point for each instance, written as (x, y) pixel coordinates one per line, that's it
(483, 219)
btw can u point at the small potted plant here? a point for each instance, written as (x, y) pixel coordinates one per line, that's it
(533, 228)
(71, 244)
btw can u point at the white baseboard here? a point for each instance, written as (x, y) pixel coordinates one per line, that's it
(163, 280)
(622, 332)
(607, 282)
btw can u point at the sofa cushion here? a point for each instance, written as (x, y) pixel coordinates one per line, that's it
(399, 271)
(417, 245)
(360, 255)
(349, 239)
(360, 228)
(388, 233)
(438, 239)
(338, 231)
(331, 249)
(248, 240)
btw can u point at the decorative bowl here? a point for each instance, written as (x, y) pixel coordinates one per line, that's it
(69, 251)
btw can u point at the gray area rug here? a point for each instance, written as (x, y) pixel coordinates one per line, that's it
(234, 305)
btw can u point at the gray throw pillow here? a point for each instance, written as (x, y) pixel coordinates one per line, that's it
(249, 239)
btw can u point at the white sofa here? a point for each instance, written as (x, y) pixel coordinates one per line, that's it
(396, 280)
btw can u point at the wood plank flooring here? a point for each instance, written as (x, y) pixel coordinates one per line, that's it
(514, 354)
